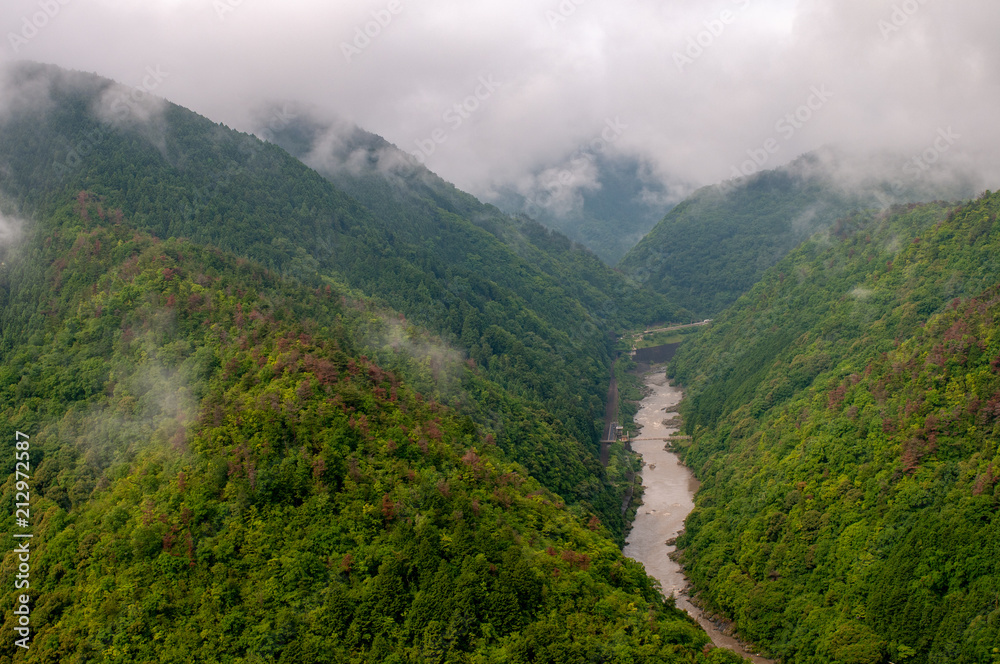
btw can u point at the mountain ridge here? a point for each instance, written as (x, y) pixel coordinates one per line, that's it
(715, 245)
(841, 431)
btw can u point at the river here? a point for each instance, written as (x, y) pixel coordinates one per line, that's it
(668, 498)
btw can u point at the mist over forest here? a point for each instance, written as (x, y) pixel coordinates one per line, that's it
(373, 332)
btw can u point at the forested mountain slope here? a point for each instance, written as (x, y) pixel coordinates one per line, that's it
(520, 313)
(416, 203)
(217, 474)
(716, 245)
(845, 419)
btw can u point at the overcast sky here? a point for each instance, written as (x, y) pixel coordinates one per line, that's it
(696, 88)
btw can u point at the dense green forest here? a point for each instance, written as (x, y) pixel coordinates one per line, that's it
(717, 244)
(845, 423)
(531, 311)
(414, 202)
(219, 475)
(352, 414)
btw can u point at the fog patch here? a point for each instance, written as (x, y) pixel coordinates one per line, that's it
(341, 147)
(430, 365)
(338, 148)
(882, 178)
(893, 245)
(860, 293)
(804, 224)
(558, 190)
(147, 413)
(11, 230)
(433, 358)
(23, 90)
(123, 108)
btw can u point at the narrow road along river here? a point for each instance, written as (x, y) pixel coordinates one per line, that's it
(668, 499)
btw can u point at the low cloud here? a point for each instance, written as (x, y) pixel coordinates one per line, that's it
(431, 366)
(11, 229)
(333, 152)
(559, 190)
(897, 74)
(21, 92)
(125, 107)
(860, 293)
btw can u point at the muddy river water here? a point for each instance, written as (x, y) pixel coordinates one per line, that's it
(667, 500)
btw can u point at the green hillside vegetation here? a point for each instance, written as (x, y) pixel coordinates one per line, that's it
(219, 475)
(416, 203)
(845, 421)
(534, 314)
(714, 246)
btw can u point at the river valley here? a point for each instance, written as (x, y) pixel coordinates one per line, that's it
(669, 497)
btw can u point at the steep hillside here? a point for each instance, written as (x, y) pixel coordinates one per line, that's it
(519, 311)
(716, 245)
(216, 474)
(845, 426)
(414, 202)
(605, 203)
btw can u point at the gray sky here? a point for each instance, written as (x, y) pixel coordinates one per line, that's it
(696, 88)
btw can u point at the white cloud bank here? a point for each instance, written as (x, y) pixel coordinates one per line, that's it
(702, 87)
